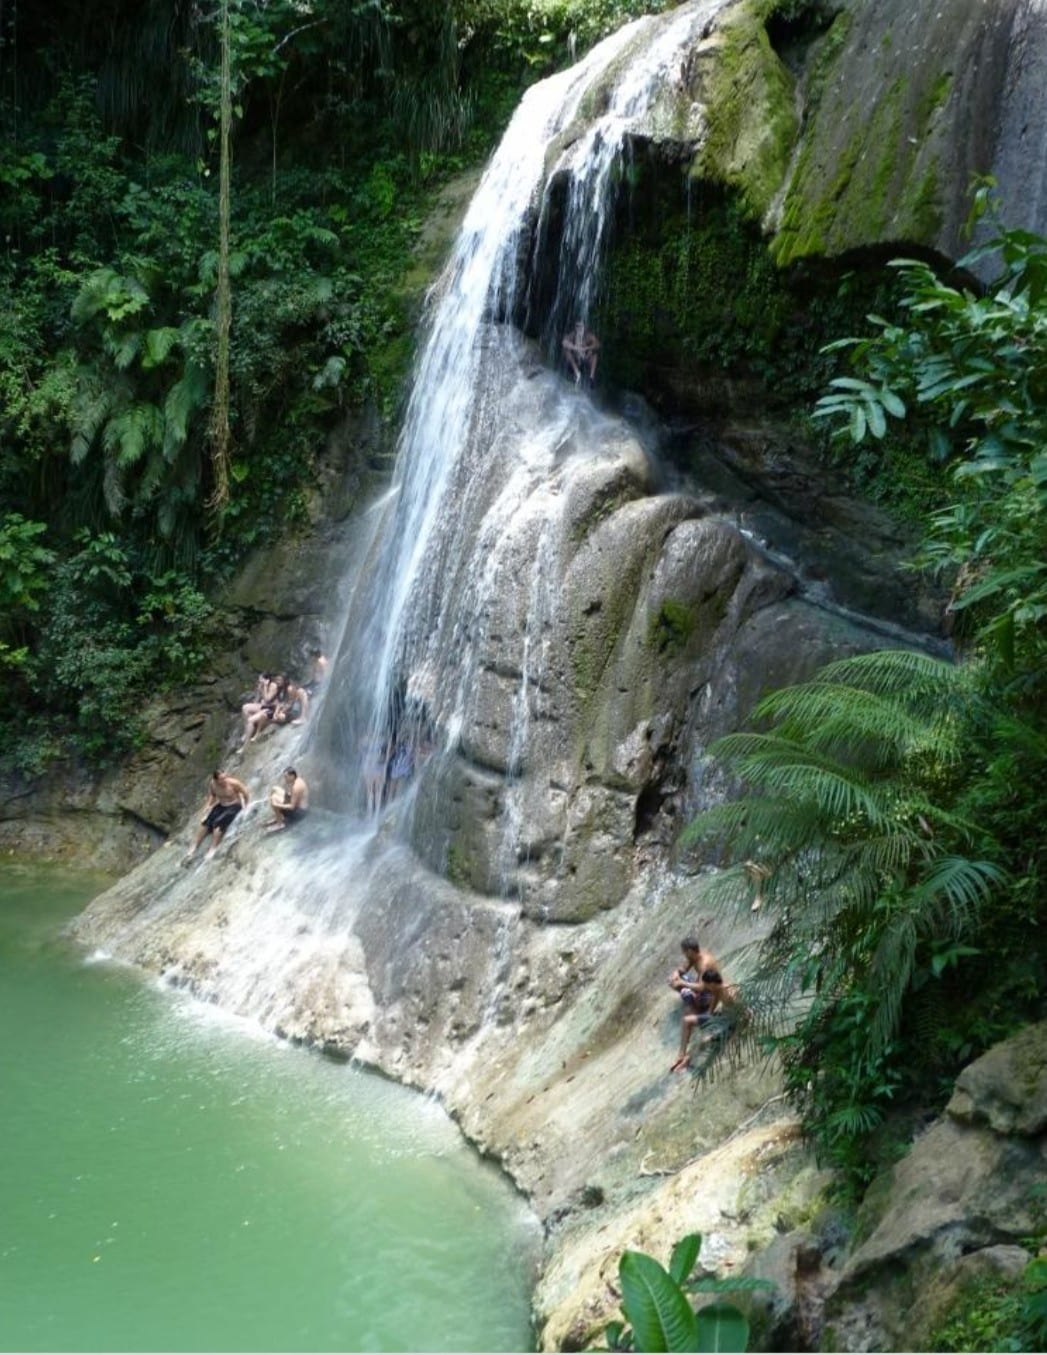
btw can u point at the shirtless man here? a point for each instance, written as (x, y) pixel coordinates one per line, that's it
(289, 802)
(701, 988)
(225, 798)
(581, 349)
(319, 664)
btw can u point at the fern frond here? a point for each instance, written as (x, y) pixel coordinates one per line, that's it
(91, 408)
(157, 345)
(835, 718)
(962, 886)
(908, 674)
(187, 395)
(742, 824)
(152, 476)
(132, 432)
(124, 348)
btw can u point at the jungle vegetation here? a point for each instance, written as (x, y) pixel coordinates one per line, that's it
(891, 818)
(207, 212)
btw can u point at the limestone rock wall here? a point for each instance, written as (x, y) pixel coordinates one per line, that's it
(902, 105)
(961, 1204)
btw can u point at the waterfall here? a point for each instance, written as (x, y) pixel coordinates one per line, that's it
(415, 626)
(457, 645)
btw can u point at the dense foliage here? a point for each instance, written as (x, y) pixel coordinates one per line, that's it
(894, 806)
(344, 119)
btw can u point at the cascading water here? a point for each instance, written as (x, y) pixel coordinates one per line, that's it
(418, 627)
(456, 607)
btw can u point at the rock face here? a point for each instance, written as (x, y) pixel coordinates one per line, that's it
(857, 124)
(503, 937)
(903, 105)
(961, 1202)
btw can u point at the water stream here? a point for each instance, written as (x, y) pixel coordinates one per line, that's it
(414, 638)
(174, 1179)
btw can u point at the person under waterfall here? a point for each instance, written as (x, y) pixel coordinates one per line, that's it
(701, 988)
(226, 797)
(582, 350)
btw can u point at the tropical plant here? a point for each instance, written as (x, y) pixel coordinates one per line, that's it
(658, 1315)
(968, 366)
(24, 565)
(136, 403)
(876, 883)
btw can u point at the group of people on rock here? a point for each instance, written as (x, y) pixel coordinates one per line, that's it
(280, 700)
(227, 797)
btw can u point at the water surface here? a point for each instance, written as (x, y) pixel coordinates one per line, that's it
(174, 1180)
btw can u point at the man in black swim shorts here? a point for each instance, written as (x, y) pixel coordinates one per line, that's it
(226, 796)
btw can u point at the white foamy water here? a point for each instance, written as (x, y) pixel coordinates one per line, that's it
(418, 624)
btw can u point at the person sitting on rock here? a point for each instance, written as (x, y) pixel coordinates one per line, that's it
(582, 350)
(265, 715)
(293, 707)
(701, 988)
(263, 698)
(289, 802)
(226, 796)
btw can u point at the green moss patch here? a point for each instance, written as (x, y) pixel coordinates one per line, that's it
(751, 110)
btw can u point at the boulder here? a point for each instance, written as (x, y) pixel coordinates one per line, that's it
(969, 1186)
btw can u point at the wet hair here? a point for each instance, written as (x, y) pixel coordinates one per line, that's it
(690, 943)
(712, 976)
(290, 771)
(315, 653)
(216, 775)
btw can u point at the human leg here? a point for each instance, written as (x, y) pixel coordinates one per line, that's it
(216, 838)
(201, 833)
(687, 1024)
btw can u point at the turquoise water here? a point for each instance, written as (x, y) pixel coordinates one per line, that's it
(174, 1180)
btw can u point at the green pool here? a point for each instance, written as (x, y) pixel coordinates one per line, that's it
(171, 1179)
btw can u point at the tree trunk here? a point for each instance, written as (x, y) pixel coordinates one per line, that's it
(220, 435)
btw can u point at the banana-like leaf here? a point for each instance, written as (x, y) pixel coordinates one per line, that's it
(654, 1305)
(721, 1326)
(685, 1257)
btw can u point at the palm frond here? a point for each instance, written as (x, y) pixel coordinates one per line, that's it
(962, 886)
(908, 674)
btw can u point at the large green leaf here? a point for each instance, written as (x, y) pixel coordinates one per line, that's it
(655, 1305)
(721, 1326)
(685, 1257)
